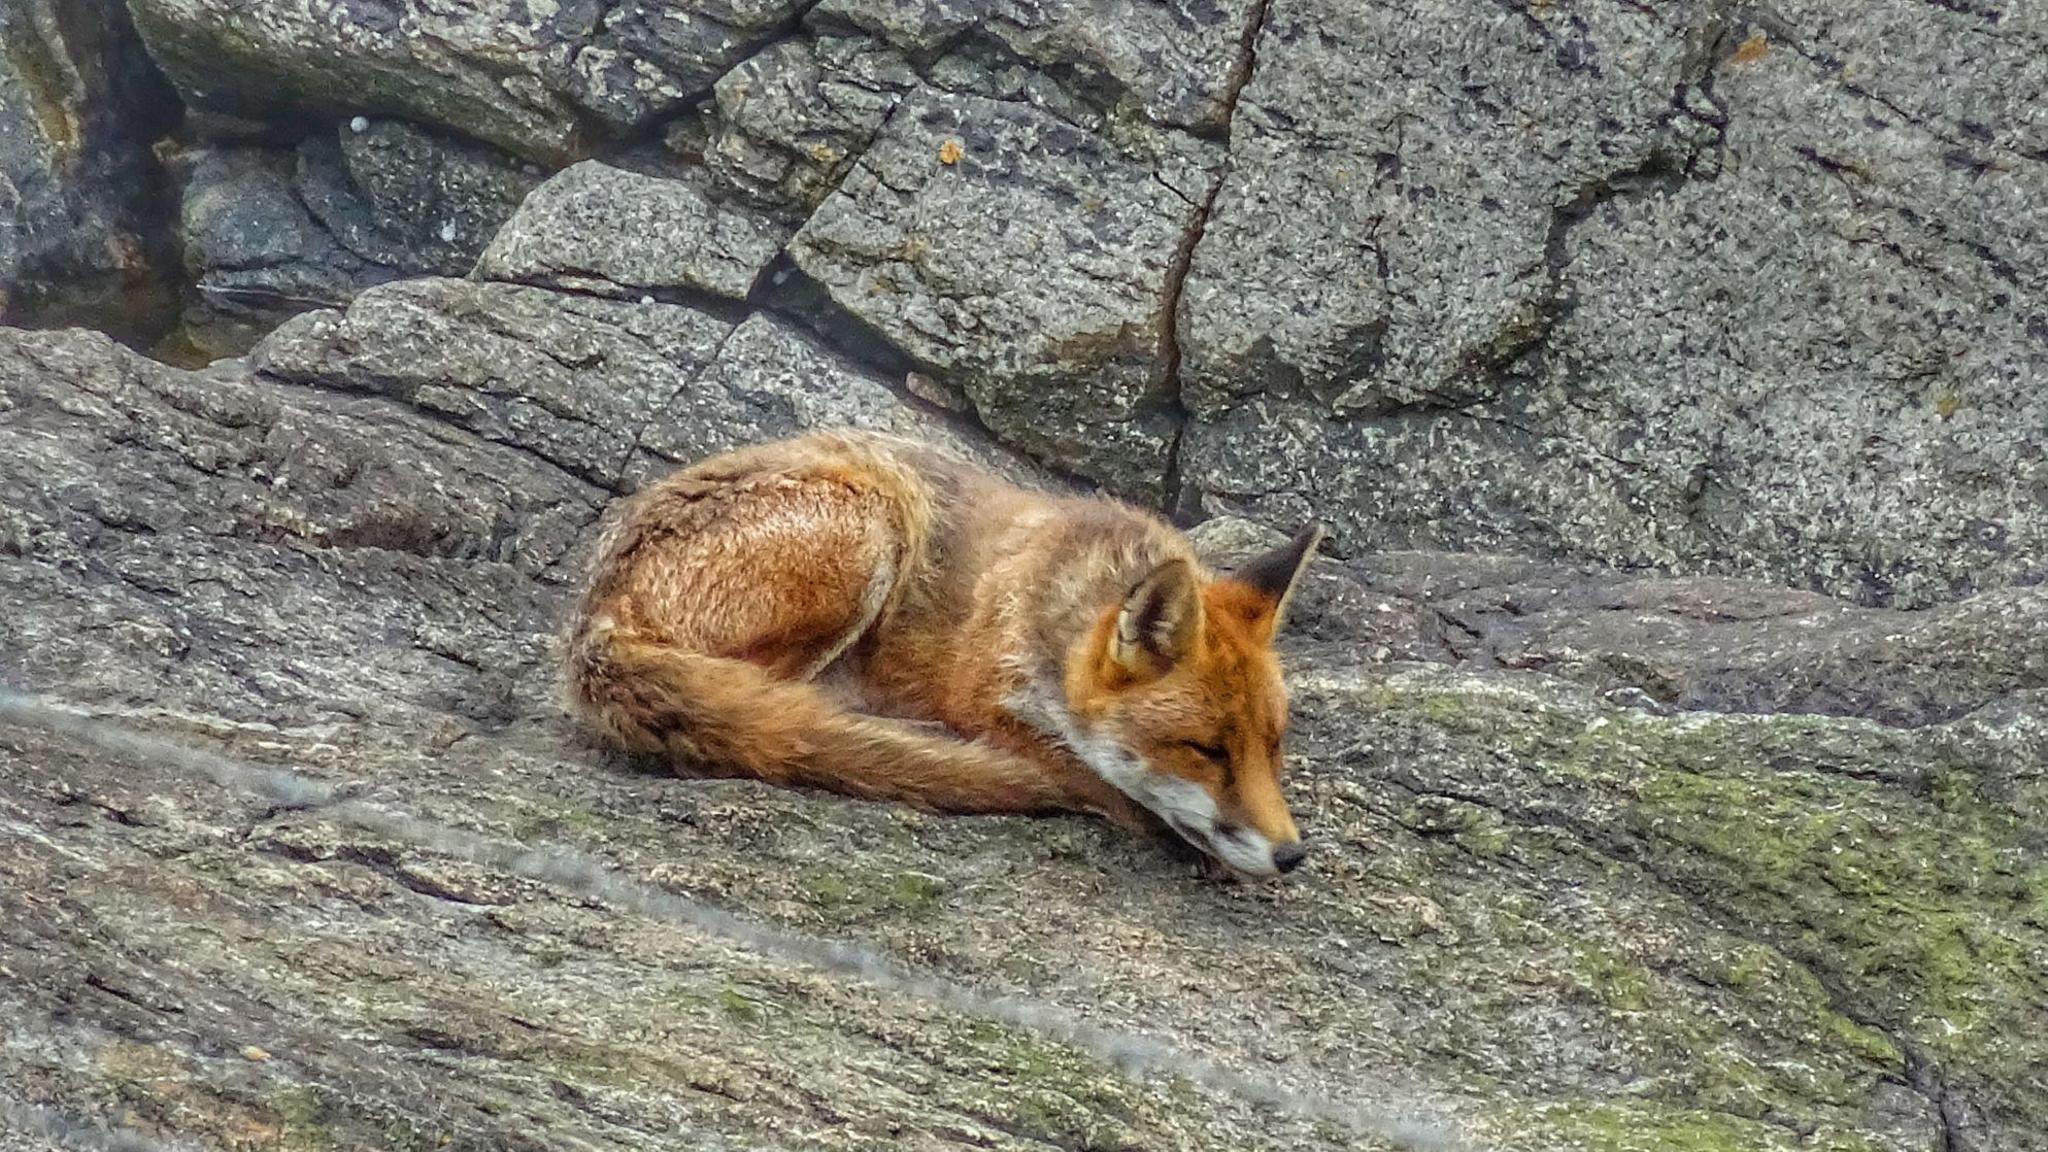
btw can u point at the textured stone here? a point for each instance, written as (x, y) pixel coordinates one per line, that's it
(1176, 64)
(1665, 644)
(571, 379)
(593, 227)
(84, 236)
(532, 78)
(1028, 262)
(1535, 917)
(790, 121)
(770, 379)
(408, 198)
(610, 391)
(1649, 289)
(268, 234)
(254, 253)
(205, 525)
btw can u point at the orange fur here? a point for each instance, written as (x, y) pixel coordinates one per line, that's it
(865, 615)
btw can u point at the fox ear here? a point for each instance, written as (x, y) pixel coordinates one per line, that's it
(1160, 621)
(1275, 574)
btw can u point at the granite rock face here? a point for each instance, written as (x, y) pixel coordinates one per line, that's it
(1694, 287)
(82, 211)
(269, 233)
(593, 227)
(1678, 288)
(1031, 263)
(545, 81)
(1558, 899)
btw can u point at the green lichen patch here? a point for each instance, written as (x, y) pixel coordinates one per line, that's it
(1635, 1127)
(847, 894)
(1887, 895)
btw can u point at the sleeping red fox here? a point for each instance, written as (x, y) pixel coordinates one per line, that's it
(810, 612)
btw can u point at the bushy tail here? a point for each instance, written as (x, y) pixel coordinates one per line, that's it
(731, 718)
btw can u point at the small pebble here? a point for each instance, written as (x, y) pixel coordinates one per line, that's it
(359, 124)
(255, 1054)
(647, 299)
(448, 232)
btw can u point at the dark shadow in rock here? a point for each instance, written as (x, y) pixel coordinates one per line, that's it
(85, 230)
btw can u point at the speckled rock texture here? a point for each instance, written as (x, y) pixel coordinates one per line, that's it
(269, 232)
(1602, 862)
(542, 80)
(1693, 287)
(596, 228)
(983, 240)
(83, 236)
(1671, 709)
(1687, 286)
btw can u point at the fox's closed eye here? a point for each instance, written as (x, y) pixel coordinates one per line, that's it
(1216, 752)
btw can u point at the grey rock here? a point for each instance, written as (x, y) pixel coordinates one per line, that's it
(255, 253)
(1532, 917)
(84, 235)
(789, 122)
(545, 81)
(612, 392)
(1787, 833)
(1987, 56)
(571, 379)
(1027, 262)
(1176, 64)
(770, 379)
(1665, 644)
(206, 524)
(268, 234)
(411, 199)
(644, 57)
(1677, 292)
(596, 228)
(1723, 645)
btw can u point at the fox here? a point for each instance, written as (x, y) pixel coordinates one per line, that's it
(873, 616)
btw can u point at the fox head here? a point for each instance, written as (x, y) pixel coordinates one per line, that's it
(1178, 696)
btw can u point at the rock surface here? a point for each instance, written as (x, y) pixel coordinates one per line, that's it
(269, 233)
(596, 228)
(1670, 644)
(1670, 287)
(1536, 918)
(1028, 261)
(546, 81)
(1692, 288)
(81, 197)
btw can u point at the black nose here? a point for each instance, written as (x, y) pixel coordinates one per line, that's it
(1288, 857)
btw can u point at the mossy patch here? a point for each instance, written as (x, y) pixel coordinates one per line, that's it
(853, 894)
(1612, 979)
(302, 1118)
(1630, 1127)
(1889, 894)
(738, 1005)
(1047, 1092)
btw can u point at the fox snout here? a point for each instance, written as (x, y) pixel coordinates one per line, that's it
(1288, 857)
(1249, 854)
(1238, 845)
